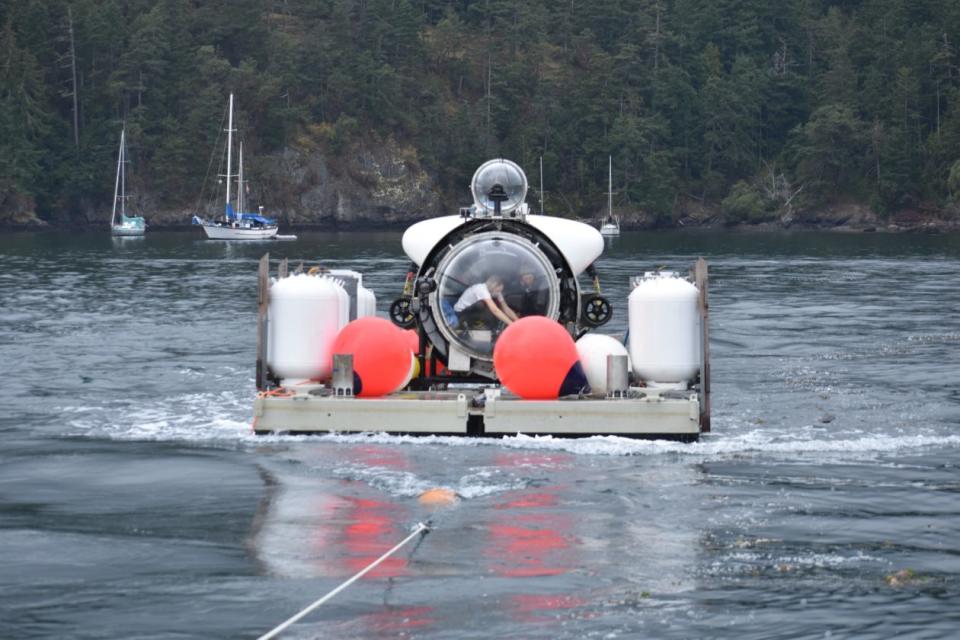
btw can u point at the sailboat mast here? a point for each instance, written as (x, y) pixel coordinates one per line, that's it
(240, 181)
(123, 173)
(610, 187)
(229, 150)
(116, 183)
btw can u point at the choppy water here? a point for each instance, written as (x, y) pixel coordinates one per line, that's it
(136, 503)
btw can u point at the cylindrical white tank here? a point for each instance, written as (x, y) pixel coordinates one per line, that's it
(665, 335)
(344, 304)
(305, 314)
(366, 302)
(593, 349)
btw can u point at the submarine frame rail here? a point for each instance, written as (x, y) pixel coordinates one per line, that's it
(473, 409)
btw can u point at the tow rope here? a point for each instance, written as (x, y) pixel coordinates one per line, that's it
(420, 528)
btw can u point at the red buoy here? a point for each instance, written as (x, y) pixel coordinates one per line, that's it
(381, 355)
(413, 339)
(537, 359)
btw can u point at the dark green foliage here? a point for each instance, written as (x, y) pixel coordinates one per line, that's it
(746, 204)
(691, 98)
(22, 115)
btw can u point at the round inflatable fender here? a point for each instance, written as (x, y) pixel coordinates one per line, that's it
(381, 356)
(593, 349)
(413, 339)
(537, 359)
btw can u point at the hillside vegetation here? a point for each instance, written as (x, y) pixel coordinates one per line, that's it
(752, 109)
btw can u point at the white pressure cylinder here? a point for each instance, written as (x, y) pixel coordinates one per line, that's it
(593, 349)
(665, 334)
(344, 304)
(305, 315)
(366, 302)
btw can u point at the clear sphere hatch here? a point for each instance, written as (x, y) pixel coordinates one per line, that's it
(504, 174)
(486, 272)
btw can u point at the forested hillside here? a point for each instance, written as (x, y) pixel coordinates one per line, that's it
(752, 108)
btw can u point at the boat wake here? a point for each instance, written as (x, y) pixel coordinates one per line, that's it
(219, 418)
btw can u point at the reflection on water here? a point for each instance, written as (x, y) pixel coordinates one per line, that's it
(526, 538)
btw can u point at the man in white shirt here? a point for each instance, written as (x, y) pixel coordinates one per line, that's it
(479, 299)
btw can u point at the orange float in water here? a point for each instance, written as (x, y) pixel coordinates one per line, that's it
(537, 359)
(381, 355)
(438, 497)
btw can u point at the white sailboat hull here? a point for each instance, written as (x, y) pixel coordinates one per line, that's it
(609, 230)
(127, 230)
(233, 224)
(223, 232)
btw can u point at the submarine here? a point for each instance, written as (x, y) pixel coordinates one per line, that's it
(496, 331)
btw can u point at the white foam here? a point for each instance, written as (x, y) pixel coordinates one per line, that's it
(218, 417)
(407, 484)
(196, 417)
(734, 563)
(756, 441)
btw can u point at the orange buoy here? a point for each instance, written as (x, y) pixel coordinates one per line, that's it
(381, 355)
(537, 359)
(413, 339)
(437, 497)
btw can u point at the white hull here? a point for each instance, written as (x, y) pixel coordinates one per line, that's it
(218, 232)
(121, 230)
(609, 230)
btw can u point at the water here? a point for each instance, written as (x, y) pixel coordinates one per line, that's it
(136, 503)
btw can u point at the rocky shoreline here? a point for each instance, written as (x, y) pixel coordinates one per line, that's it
(382, 184)
(924, 226)
(902, 222)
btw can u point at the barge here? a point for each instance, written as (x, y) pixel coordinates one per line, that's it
(495, 332)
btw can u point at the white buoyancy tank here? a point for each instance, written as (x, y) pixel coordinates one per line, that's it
(344, 303)
(366, 302)
(305, 315)
(593, 349)
(665, 333)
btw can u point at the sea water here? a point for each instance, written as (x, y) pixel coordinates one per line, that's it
(135, 502)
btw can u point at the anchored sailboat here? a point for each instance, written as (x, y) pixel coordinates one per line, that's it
(235, 224)
(127, 225)
(611, 224)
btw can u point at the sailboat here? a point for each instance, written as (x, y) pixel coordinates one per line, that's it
(235, 224)
(611, 224)
(127, 225)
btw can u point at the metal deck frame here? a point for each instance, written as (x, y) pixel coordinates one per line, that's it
(647, 413)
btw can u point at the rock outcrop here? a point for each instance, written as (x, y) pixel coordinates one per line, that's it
(374, 184)
(17, 210)
(370, 185)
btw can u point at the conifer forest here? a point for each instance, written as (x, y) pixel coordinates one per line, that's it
(746, 107)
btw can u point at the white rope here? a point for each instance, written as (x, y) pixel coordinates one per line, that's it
(272, 634)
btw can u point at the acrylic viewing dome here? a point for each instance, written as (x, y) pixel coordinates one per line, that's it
(502, 176)
(529, 286)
